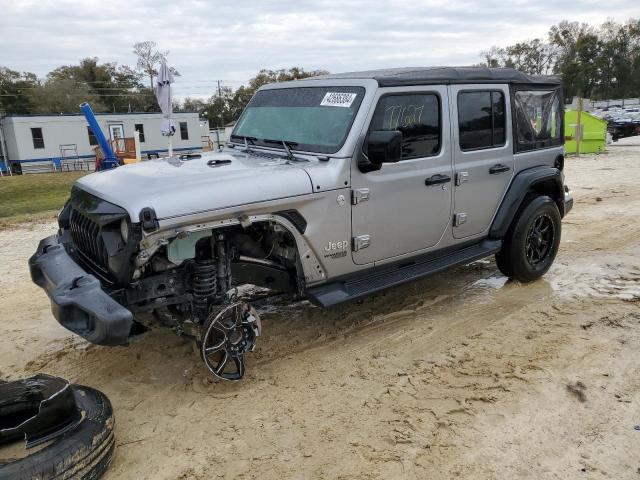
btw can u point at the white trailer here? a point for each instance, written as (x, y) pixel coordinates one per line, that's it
(39, 143)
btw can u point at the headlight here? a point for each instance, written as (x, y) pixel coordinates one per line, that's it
(124, 230)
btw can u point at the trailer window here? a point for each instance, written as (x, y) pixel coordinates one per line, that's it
(38, 139)
(481, 119)
(184, 131)
(417, 116)
(92, 138)
(139, 127)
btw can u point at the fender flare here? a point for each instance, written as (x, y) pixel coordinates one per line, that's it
(523, 183)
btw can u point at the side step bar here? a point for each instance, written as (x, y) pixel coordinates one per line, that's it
(382, 278)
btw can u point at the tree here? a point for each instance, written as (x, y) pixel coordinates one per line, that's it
(265, 76)
(192, 105)
(599, 63)
(534, 57)
(620, 51)
(62, 96)
(492, 57)
(578, 51)
(119, 88)
(15, 90)
(149, 58)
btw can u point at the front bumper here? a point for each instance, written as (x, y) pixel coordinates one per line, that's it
(77, 299)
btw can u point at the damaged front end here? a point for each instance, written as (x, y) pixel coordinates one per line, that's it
(110, 278)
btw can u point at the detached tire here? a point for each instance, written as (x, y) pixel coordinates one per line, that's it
(532, 241)
(83, 452)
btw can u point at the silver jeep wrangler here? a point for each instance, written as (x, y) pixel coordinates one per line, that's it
(330, 188)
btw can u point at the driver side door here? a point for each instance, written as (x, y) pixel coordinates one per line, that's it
(405, 207)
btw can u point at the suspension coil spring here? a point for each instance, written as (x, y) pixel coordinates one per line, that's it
(204, 285)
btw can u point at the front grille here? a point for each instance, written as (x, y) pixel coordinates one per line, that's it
(88, 241)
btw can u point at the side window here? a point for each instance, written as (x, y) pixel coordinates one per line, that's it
(538, 118)
(92, 138)
(481, 119)
(184, 131)
(417, 116)
(38, 139)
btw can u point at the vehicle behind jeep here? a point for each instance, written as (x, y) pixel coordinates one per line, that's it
(330, 189)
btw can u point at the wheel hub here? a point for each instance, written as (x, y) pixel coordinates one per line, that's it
(229, 333)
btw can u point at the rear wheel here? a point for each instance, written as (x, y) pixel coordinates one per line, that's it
(532, 242)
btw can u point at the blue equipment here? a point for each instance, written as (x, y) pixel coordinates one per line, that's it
(110, 160)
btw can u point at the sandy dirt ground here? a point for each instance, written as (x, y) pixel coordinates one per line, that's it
(463, 375)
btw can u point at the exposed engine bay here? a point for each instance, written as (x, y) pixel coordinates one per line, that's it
(185, 280)
(179, 284)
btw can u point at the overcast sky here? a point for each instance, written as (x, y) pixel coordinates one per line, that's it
(232, 40)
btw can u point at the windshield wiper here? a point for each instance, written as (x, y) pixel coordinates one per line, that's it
(246, 140)
(287, 144)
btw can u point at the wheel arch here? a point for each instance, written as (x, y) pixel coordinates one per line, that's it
(543, 180)
(290, 220)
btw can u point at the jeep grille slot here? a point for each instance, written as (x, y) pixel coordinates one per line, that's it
(88, 242)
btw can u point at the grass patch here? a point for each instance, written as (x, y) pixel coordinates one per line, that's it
(29, 197)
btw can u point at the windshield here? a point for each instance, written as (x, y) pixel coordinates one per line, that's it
(315, 119)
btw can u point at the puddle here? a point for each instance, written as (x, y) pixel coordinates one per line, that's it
(491, 282)
(619, 281)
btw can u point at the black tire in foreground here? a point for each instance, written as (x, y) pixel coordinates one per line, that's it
(532, 241)
(83, 452)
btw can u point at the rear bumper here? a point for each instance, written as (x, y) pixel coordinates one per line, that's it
(77, 299)
(568, 200)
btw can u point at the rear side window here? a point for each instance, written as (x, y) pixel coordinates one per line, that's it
(481, 119)
(538, 118)
(417, 116)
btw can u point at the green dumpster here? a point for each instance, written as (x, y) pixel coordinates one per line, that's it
(594, 132)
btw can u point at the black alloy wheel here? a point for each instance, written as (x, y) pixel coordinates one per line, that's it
(539, 240)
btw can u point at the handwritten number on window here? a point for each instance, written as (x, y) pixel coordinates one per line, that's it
(402, 116)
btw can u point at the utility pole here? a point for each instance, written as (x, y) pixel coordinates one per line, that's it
(220, 115)
(578, 133)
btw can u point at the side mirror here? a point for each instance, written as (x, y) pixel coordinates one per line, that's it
(384, 146)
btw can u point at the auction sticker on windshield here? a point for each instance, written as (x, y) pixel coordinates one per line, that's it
(338, 99)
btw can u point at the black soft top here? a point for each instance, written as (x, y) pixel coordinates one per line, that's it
(395, 77)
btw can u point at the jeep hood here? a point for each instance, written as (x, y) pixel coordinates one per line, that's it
(174, 187)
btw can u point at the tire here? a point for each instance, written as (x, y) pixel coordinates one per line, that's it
(526, 253)
(83, 452)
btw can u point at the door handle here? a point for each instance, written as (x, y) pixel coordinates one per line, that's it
(437, 179)
(499, 168)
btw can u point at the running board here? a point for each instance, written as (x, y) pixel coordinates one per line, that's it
(382, 278)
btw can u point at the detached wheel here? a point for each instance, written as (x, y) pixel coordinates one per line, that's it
(83, 452)
(532, 242)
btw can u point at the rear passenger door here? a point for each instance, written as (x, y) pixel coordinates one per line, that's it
(483, 154)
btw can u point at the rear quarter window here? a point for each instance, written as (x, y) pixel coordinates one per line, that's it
(538, 117)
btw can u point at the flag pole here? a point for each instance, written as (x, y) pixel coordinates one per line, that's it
(170, 146)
